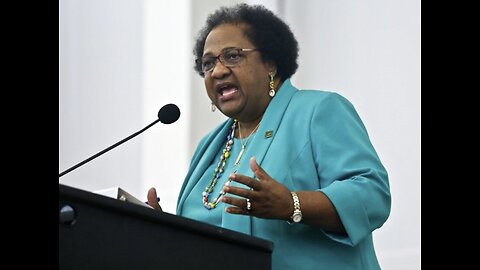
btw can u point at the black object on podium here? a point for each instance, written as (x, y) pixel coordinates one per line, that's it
(98, 232)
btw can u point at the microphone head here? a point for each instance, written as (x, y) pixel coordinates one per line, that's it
(169, 113)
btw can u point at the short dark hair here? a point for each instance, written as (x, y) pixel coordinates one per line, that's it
(265, 30)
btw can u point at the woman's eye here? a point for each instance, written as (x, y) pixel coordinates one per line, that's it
(207, 62)
(232, 56)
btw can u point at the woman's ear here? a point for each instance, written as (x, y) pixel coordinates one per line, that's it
(272, 68)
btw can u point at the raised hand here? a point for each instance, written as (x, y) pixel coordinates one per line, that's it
(265, 198)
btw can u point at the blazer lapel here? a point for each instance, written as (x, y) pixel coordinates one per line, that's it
(270, 122)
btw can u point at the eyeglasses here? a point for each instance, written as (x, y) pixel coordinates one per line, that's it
(230, 57)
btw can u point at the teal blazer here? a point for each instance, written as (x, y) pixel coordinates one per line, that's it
(309, 140)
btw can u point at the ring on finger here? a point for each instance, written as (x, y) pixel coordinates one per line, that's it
(249, 205)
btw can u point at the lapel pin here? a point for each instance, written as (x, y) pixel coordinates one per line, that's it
(268, 133)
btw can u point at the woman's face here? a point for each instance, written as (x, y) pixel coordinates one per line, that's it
(239, 92)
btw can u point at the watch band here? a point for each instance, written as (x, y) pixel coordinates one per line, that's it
(297, 213)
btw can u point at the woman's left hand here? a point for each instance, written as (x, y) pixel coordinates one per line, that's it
(267, 197)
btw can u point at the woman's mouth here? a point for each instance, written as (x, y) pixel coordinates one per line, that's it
(226, 91)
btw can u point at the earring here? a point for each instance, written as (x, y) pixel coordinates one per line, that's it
(271, 93)
(213, 107)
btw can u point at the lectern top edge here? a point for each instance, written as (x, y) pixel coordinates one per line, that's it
(70, 193)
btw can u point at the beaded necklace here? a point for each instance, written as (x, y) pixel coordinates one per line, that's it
(217, 173)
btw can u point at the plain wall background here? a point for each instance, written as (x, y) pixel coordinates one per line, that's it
(121, 60)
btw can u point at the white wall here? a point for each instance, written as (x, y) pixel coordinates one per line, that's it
(100, 91)
(121, 60)
(166, 70)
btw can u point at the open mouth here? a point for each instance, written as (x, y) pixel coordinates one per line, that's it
(226, 90)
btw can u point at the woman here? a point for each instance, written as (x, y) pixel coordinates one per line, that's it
(295, 167)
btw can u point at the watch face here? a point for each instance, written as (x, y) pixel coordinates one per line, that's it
(297, 218)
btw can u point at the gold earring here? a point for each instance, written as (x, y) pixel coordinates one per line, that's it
(213, 107)
(271, 93)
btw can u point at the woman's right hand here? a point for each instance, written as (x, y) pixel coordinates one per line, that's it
(152, 199)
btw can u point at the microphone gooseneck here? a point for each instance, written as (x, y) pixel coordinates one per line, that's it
(167, 114)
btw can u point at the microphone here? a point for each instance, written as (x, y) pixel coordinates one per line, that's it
(167, 114)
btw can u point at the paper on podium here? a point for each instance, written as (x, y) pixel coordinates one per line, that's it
(120, 194)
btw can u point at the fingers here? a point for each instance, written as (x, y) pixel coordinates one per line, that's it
(239, 205)
(262, 191)
(247, 181)
(252, 183)
(242, 192)
(243, 204)
(254, 165)
(254, 186)
(259, 173)
(152, 199)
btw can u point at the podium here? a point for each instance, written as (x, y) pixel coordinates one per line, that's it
(98, 232)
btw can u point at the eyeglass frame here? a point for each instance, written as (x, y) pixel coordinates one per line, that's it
(221, 58)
